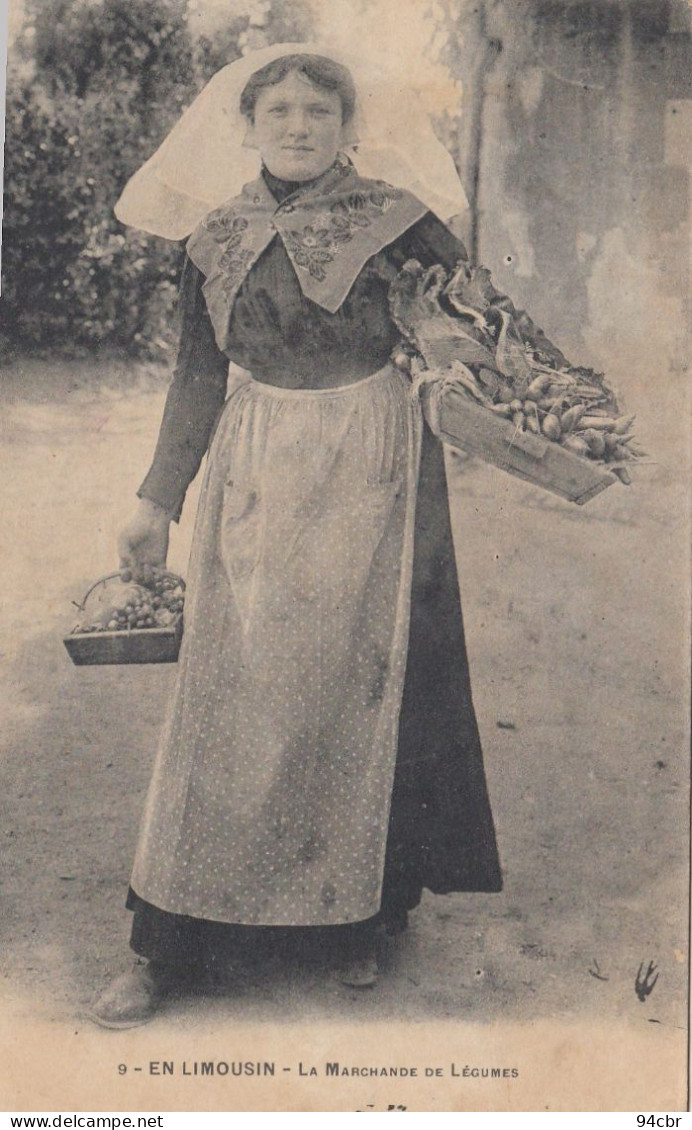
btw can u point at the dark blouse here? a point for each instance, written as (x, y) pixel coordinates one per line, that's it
(283, 338)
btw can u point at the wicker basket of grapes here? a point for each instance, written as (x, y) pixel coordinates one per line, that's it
(125, 621)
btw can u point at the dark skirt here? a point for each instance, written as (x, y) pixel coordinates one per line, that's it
(441, 835)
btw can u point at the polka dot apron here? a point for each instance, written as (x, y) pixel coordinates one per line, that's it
(269, 801)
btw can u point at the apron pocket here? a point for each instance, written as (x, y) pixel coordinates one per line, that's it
(387, 489)
(367, 517)
(378, 502)
(240, 536)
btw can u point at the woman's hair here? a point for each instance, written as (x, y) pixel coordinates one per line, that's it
(319, 70)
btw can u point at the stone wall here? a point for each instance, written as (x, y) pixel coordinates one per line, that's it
(579, 169)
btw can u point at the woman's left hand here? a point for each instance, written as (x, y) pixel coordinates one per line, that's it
(143, 542)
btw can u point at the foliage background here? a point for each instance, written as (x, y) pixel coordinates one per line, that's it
(93, 87)
(569, 121)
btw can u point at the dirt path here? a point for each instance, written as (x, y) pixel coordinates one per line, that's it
(576, 622)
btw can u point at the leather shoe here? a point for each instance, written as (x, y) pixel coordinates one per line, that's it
(358, 966)
(131, 999)
(361, 973)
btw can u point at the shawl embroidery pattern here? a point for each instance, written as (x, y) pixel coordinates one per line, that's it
(318, 244)
(233, 263)
(311, 248)
(329, 230)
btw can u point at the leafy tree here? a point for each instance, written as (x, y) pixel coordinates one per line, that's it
(261, 23)
(100, 84)
(109, 80)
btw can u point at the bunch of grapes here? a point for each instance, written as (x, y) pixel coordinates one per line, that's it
(154, 603)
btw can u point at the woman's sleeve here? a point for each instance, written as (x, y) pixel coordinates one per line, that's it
(195, 398)
(430, 241)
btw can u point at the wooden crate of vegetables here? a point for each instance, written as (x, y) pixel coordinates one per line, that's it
(495, 387)
(525, 454)
(122, 621)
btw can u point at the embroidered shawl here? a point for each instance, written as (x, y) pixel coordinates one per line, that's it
(329, 230)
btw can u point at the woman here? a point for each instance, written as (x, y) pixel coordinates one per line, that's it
(321, 762)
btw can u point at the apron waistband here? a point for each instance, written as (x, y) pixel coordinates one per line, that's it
(388, 370)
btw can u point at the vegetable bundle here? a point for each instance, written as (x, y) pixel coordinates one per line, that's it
(459, 330)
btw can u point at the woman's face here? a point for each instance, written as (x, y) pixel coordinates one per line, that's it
(297, 128)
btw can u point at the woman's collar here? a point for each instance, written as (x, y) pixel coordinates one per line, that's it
(329, 227)
(332, 178)
(280, 189)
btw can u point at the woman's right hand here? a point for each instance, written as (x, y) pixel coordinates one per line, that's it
(143, 542)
